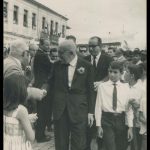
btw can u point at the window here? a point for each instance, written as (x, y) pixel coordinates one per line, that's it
(15, 15)
(63, 31)
(52, 26)
(25, 18)
(43, 23)
(5, 10)
(56, 27)
(33, 20)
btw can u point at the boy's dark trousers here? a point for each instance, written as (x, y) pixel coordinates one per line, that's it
(136, 142)
(114, 131)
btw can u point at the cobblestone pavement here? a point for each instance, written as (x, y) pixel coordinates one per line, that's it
(46, 145)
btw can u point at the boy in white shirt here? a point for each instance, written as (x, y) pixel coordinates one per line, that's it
(143, 122)
(111, 109)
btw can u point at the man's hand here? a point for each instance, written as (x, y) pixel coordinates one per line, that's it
(44, 93)
(33, 117)
(99, 132)
(90, 120)
(130, 134)
(36, 93)
(96, 84)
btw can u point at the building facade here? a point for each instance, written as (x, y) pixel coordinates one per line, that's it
(31, 20)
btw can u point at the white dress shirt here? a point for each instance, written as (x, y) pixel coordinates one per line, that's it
(136, 92)
(96, 59)
(71, 70)
(143, 109)
(105, 97)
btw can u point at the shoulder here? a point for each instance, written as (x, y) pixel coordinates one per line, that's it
(83, 61)
(124, 86)
(87, 58)
(22, 112)
(106, 57)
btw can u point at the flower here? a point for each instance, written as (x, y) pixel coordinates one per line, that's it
(81, 70)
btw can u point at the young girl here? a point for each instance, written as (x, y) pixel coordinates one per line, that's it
(16, 124)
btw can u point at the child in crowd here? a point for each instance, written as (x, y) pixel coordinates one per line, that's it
(143, 78)
(132, 76)
(111, 109)
(17, 127)
(143, 122)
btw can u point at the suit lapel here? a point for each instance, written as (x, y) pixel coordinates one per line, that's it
(100, 63)
(76, 73)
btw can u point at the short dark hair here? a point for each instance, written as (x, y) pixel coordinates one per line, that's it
(14, 91)
(54, 50)
(98, 39)
(116, 65)
(72, 37)
(136, 70)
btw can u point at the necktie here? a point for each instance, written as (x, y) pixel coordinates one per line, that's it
(114, 97)
(94, 62)
(66, 73)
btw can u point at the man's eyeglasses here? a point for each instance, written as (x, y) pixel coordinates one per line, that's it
(92, 46)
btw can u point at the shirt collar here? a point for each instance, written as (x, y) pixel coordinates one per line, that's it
(117, 83)
(97, 57)
(74, 61)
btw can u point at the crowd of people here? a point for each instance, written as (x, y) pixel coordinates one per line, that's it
(95, 102)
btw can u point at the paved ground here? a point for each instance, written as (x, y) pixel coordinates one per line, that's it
(46, 145)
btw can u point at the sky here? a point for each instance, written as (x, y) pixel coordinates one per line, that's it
(112, 20)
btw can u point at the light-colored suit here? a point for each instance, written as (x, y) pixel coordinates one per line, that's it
(12, 65)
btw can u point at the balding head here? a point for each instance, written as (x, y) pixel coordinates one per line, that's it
(67, 50)
(32, 49)
(17, 48)
(67, 45)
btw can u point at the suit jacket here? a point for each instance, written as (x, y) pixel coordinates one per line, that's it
(11, 65)
(41, 70)
(102, 66)
(79, 98)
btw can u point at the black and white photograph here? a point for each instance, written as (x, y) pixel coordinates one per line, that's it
(74, 75)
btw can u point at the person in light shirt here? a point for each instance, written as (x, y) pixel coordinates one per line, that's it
(143, 122)
(111, 109)
(136, 94)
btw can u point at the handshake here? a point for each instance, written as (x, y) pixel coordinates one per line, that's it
(33, 117)
(35, 93)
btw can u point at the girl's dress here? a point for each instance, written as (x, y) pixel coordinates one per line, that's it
(14, 136)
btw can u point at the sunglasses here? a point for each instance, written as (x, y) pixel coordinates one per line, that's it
(83, 51)
(92, 46)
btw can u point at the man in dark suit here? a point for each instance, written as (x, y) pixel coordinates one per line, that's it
(42, 72)
(73, 98)
(100, 62)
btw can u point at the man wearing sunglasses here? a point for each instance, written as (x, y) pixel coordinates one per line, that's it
(100, 62)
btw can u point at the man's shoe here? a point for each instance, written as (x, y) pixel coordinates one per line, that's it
(45, 139)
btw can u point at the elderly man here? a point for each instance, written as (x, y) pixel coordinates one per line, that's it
(42, 72)
(18, 59)
(73, 98)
